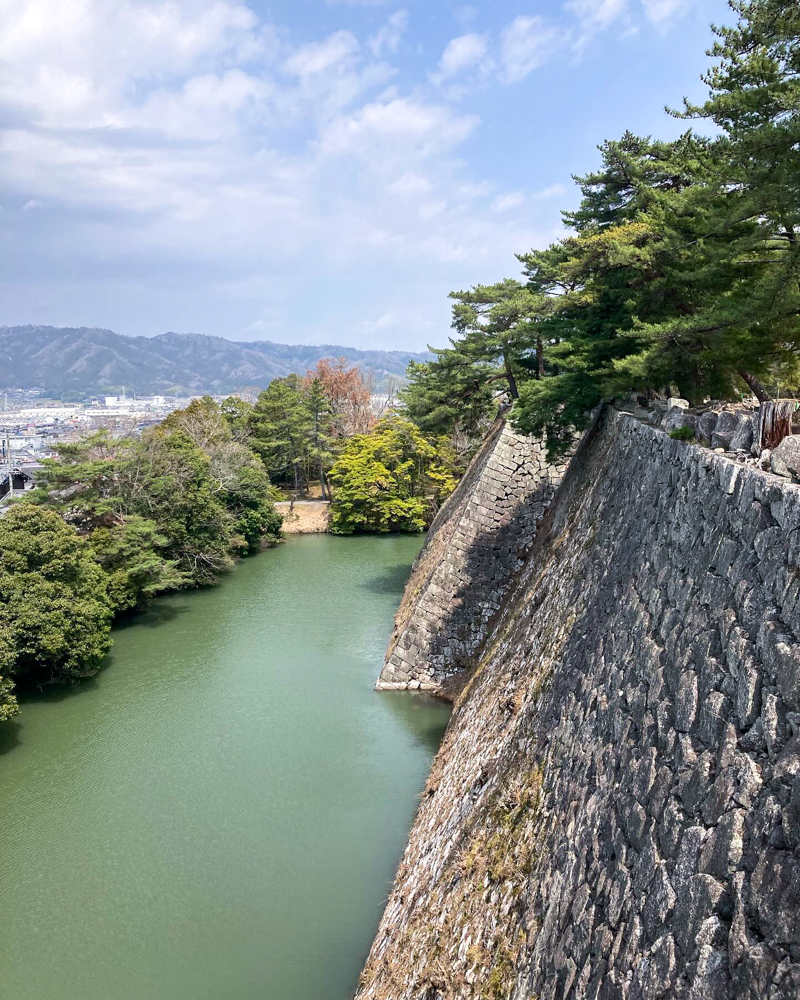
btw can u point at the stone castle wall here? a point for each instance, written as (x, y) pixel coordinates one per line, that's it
(615, 811)
(477, 542)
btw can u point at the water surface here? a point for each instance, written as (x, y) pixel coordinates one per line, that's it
(219, 814)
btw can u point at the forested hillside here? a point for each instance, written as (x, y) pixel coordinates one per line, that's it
(87, 359)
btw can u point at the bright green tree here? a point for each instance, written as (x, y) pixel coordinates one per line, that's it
(387, 480)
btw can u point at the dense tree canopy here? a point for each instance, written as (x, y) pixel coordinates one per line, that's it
(168, 510)
(449, 394)
(116, 521)
(298, 425)
(387, 480)
(55, 614)
(280, 428)
(237, 476)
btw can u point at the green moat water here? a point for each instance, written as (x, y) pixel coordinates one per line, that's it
(219, 814)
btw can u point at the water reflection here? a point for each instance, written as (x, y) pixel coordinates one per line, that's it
(392, 581)
(424, 717)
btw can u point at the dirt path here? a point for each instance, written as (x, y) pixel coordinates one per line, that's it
(307, 517)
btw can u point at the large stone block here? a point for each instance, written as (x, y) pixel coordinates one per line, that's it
(725, 428)
(785, 458)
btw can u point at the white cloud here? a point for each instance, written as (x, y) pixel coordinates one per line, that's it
(206, 107)
(525, 44)
(319, 57)
(595, 16)
(553, 191)
(387, 39)
(460, 54)
(79, 58)
(401, 128)
(31, 205)
(506, 202)
(410, 185)
(661, 12)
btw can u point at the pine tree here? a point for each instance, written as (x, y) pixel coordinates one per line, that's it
(321, 430)
(280, 428)
(496, 328)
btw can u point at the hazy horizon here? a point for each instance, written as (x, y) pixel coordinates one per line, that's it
(400, 348)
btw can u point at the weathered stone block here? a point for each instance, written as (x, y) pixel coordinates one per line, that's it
(706, 423)
(726, 426)
(742, 437)
(785, 457)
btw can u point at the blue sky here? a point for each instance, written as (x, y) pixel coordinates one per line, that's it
(309, 172)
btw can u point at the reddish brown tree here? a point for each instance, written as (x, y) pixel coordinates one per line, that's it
(349, 393)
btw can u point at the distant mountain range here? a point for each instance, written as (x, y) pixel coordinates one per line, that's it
(89, 360)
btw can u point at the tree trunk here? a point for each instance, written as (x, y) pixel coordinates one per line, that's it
(322, 479)
(756, 387)
(774, 422)
(539, 357)
(512, 382)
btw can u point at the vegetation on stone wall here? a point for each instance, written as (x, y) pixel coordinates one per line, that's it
(681, 271)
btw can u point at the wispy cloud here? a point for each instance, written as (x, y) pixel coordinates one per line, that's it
(594, 16)
(462, 53)
(387, 39)
(525, 44)
(553, 191)
(662, 12)
(521, 46)
(509, 201)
